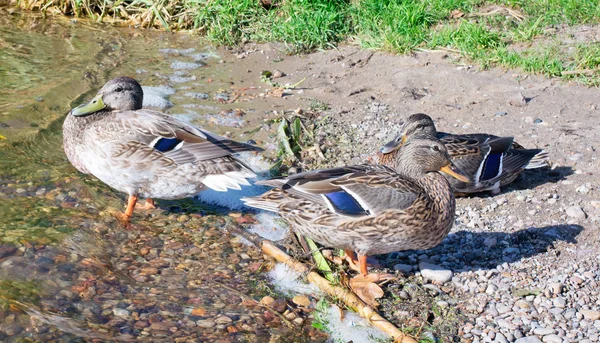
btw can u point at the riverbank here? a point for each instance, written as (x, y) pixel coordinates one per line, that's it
(551, 38)
(523, 264)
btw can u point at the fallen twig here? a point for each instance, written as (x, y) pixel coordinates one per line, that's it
(440, 49)
(579, 72)
(499, 10)
(347, 297)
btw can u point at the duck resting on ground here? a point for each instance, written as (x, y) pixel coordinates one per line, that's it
(370, 209)
(146, 153)
(489, 161)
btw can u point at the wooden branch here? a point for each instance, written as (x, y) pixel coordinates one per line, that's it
(346, 296)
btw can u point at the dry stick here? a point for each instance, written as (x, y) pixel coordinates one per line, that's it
(497, 10)
(580, 71)
(349, 298)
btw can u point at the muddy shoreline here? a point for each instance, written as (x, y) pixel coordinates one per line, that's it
(522, 263)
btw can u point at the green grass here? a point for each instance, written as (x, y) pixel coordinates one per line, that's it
(529, 34)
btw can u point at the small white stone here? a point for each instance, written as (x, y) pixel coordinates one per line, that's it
(529, 339)
(560, 302)
(552, 339)
(543, 331)
(435, 272)
(590, 315)
(121, 312)
(491, 289)
(556, 287)
(576, 212)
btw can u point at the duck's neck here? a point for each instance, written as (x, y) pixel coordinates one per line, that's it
(74, 127)
(442, 197)
(388, 159)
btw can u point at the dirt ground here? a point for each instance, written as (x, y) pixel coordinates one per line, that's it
(524, 262)
(368, 93)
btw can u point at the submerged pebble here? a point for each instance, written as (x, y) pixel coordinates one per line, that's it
(180, 65)
(202, 96)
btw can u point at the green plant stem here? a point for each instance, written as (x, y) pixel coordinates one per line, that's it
(320, 260)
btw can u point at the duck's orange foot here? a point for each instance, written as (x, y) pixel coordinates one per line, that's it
(123, 218)
(355, 263)
(149, 205)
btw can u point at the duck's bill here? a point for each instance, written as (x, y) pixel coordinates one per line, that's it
(393, 145)
(452, 170)
(95, 105)
(2, 137)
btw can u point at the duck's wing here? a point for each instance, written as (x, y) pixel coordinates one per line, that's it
(490, 161)
(338, 193)
(162, 136)
(480, 156)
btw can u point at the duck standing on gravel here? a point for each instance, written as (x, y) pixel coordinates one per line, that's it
(489, 161)
(146, 153)
(370, 209)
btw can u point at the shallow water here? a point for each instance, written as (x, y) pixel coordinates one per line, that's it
(68, 271)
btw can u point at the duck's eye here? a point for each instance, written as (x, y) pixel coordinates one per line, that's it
(435, 148)
(420, 127)
(119, 89)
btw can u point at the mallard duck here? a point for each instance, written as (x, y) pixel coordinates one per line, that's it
(370, 209)
(490, 161)
(146, 153)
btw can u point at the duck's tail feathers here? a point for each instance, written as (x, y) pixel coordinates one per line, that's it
(540, 160)
(276, 183)
(517, 160)
(261, 203)
(228, 180)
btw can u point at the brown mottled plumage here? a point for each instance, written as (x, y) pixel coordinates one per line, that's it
(489, 161)
(370, 209)
(146, 153)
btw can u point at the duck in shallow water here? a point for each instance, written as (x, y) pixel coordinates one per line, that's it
(146, 153)
(370, 209)
(489, 161)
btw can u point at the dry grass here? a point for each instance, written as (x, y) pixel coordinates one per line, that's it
(483, 31)
(164, 14)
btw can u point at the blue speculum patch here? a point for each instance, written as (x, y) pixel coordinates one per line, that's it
(345, 203)
(166, 144)
(491, 167)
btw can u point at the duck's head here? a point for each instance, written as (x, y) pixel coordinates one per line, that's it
(418, 125)
(421, 156)
(119, 94)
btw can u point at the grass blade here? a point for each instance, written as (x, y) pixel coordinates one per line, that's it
(320, 260)
(283, 138)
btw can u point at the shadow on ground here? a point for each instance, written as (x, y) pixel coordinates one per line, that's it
(486, 250)
(530, 179)
(535, 177)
